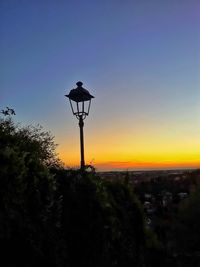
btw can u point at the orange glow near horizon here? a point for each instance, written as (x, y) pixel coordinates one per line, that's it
(146, 165)
(146, 149)
(138, 163)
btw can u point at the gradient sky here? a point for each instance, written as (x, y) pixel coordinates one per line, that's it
(139, 58)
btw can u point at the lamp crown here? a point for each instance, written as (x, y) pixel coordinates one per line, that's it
(79, 84)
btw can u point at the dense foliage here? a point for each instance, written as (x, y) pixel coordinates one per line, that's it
(187, 231)
(55, 217)
(29, 209)
(103, 221)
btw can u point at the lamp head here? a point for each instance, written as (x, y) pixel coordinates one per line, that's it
(80, 100)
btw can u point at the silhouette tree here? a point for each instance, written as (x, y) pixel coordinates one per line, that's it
(8, 111)
(29, 203)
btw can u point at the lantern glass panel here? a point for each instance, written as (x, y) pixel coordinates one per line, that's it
(87, 106)
(80, 108)
(73, 106)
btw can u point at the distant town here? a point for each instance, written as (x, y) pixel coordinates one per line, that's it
(160, 193)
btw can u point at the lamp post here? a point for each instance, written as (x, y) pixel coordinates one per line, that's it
(80, 101)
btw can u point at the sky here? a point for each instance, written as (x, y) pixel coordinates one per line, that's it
(139, 58)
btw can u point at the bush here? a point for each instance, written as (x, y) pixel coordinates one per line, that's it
(102, 221)
(29, 210)
(187, 231)
(55, 217)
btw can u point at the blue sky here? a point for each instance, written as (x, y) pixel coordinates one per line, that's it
(141, 60)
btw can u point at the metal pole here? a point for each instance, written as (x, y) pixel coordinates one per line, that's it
(81, 124)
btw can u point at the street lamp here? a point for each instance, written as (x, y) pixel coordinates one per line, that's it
(80, 101)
